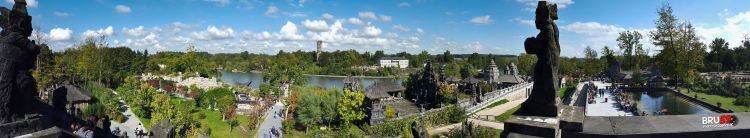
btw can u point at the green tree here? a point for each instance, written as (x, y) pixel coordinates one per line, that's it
(629, 41)
(447, 57)
(350, 106)
(526, 64)
(592, 65)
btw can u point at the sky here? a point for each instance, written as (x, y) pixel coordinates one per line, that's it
(463, 27)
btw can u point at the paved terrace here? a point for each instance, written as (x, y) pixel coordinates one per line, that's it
(601, 108)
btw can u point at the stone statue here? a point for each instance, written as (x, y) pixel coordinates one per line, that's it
(546, 46)
(17, 58)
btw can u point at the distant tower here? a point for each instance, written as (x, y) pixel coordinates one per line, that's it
(320, 49)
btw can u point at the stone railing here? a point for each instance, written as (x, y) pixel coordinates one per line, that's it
(497, 95)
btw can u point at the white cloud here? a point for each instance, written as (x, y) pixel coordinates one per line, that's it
(386, 18)
(220, 2)
(355, 21)
(315, 25)
(213, 33)
(179, 26)
(404, 4)
(420, 31)
(122, 9)
(367, 15)
(263, 36)
(29, 3)
(531, 4)
(598, 35)
(400, 28)
(289, 32)
(457, 47)
(271, 10)
(480, 20)
(137, 32)
(371, 31)
(734, 29)
(60, 34)
(98, 33)
(327, 16)
(61, 14)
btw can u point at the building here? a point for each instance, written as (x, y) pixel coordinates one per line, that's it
(75, 100)
(351, 83)
(510, 76)
(381, 95)
(390, 62)
(491, 73)
(318, 50)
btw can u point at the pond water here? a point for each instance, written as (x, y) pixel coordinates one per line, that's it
(336, 82)
(653, 101)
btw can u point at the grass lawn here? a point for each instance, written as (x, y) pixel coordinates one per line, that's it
(503, 101)
(218, 127)
(507, 114)
(726, 102)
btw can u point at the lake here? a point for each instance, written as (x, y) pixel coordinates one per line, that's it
(336, 82)
(653, 101)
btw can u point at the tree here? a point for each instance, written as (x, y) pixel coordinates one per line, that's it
(682, 52)
(350, 106)
(447, 93)
(629, 41)
(231, 116)
(526, 64)
(447, 57)
(592, 65)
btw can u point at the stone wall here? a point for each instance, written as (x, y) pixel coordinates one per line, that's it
(661, 126)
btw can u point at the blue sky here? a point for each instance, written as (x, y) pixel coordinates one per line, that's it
(496, 26)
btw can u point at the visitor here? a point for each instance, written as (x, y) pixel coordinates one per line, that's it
(87, 131)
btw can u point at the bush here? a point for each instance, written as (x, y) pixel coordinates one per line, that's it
(94, 109)
(201, 115)
(744, 101)
(118, 117)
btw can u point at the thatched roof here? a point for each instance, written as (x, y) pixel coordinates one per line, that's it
(452, 79)
(163, 129)
(73, 93)
(380, 89)
(470, 80)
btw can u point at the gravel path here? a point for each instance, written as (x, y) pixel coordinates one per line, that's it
(129, 125)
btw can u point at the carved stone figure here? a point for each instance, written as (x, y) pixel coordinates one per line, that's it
(546, 46)
(17, 58)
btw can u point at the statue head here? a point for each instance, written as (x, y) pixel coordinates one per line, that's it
(545, 14)
(16, 19)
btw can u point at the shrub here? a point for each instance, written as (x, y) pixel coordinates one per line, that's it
(390, 112)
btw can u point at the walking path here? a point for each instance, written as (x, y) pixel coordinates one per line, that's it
(272, 121)
(602, 108)
(494, 111)
(130, 124)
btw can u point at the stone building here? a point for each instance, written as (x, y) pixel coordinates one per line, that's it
(491, 73)
(384, 94)
(351, 83)
(510, 76)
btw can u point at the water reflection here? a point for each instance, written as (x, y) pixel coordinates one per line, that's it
(653, 101)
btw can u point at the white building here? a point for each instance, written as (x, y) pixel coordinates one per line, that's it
(399, 62)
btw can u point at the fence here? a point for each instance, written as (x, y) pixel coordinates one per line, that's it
(496, 95)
